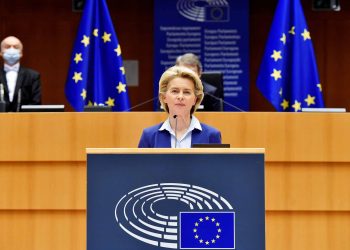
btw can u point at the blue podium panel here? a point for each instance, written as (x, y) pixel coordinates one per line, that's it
(175, 201)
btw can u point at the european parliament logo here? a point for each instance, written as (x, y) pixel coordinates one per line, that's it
(203, 219)
(205, 10)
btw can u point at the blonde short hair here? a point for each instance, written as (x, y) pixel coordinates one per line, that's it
(181, 72)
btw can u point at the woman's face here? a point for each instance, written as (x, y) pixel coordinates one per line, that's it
(180, 96)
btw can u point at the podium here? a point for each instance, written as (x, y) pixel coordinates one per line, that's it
(175, 199)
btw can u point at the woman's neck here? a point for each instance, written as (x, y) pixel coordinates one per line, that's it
(180, 124)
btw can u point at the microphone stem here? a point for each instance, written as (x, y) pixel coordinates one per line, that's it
(2, 99)
(142, 103)
(1, 92)
(175, 117)
(19, 99)
(223, 101)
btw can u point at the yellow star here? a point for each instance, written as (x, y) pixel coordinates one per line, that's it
(106, 37)
(95, 32)
(110, 102)
(78, 58)
(212, 241)
(285, 104)
(310, 100)
(207, 218)
(276, 55)
(77, 77)
(83, 94)
(196, 224)
(296, 106)
(122, 70)
(292, 30)
(118, 50)
(207, 242)
(283, 39)
(196, 236)
(200, 241)
(86, 40)
(280, 92)
(276, 74)
(121, 87)
(306, 35)
(319, 86)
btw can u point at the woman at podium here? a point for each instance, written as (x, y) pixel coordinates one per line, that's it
(180, 94)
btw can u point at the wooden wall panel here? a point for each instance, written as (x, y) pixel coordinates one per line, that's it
(43, 178)
(307, 230)
(301, 186)
(321, 137)
(42, 229)
(43, 185)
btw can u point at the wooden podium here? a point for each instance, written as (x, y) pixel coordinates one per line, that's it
(175, 199)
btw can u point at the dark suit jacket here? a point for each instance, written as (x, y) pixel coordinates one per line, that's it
(153, 138)
(28, 81)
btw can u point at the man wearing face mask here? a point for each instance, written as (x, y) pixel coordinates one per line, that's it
(21, 85)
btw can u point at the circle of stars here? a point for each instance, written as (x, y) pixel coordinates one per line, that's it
(200, 222)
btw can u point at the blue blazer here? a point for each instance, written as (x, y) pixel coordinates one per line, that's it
(153, 138)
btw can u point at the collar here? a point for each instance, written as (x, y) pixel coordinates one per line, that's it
(195, 124)
(8, 68)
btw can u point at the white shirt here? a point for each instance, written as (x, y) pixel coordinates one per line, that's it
(186, 140)
(11, 78)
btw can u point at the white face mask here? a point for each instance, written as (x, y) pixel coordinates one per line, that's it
(11, 56)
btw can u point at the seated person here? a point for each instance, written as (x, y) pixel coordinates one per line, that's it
(20, 84)
(180, 93)
(212, 100)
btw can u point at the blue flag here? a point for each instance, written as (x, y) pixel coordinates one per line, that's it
(207, 230)
(96, 74)
(288, 75)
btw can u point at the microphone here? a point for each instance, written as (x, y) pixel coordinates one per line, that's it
(175, 117)
(2, 99)
(19, 99)
(223, 101)
(142, 103)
